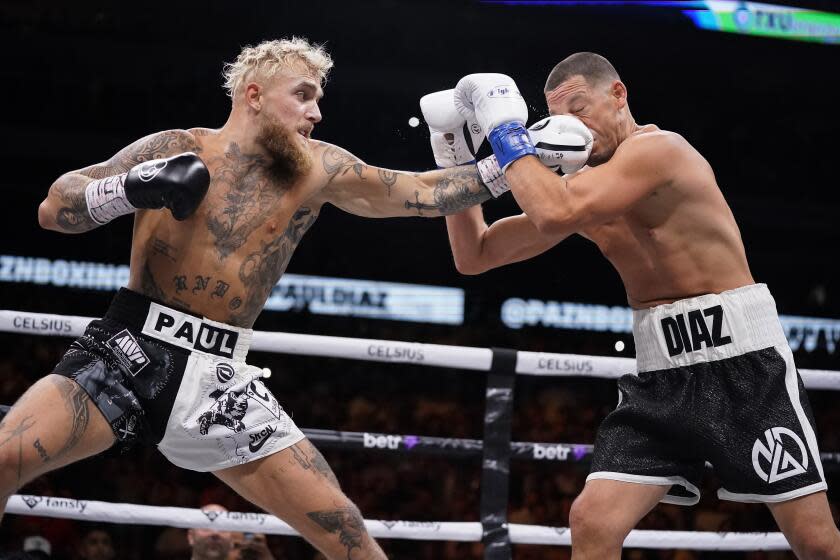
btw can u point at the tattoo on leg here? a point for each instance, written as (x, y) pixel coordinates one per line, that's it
(16, 433)
(346, 521)
(76, 402)
(311, 459)
(41, 451)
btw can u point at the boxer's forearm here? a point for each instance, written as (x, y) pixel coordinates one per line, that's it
(65, 208)
(449, 191)
(543, 196)
(466, 237)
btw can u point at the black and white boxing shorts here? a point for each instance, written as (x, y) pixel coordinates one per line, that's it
(168, 377)
(716, 384)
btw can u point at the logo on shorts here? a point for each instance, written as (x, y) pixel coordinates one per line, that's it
(782, 464)
(230, 407)
(687, 332)
(224, 373)
(127, 350)
(190, 332)
(150, 170)
(259, 439)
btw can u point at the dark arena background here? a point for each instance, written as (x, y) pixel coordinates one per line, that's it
(82, 79)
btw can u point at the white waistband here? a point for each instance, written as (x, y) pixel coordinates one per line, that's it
(706, 328)
(196, 333)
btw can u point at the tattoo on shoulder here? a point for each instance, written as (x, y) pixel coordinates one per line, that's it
(338, 162)
(154, 146)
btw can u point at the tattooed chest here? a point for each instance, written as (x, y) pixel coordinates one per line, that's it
(243, 196)
(232, 291)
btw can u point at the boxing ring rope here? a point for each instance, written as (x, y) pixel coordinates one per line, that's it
(502, 365)
(185, 518)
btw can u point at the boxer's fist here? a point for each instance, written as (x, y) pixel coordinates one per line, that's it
(562, 141)
(178, 183)
(451, 145)
(501, 112)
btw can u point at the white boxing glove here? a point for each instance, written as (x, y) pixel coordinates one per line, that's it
(501, 112)
(450, 144)
(562, 141)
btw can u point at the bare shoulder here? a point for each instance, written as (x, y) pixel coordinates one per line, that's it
(658, 153)
(657, 143)
(333, 162)
(154, 146)
(162, 144)
(332, 156)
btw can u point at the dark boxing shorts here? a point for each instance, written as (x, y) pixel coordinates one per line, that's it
(716, 384)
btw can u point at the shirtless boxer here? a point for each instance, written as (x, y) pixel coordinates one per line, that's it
(716, 380)
(167, 363)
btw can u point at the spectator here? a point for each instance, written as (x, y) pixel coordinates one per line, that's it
(96, 544)
(208, 544)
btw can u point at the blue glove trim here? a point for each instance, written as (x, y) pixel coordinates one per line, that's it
(510, 141)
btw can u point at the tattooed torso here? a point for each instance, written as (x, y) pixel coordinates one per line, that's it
(225, 259)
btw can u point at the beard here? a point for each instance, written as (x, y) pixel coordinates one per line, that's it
(290, 161)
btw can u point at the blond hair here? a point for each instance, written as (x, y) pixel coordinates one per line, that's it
(270, 57)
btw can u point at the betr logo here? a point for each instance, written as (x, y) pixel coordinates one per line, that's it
(381, 441)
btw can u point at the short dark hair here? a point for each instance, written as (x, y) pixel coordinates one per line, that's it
(593, 67)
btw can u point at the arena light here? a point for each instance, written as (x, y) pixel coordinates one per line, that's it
(768, 20)
(747, 18)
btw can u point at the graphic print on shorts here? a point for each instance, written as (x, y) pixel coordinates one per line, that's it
(779, 455)
(244, 411)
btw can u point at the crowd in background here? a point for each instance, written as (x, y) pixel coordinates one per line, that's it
(386, 398)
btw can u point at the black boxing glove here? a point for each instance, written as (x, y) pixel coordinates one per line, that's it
(178, 183)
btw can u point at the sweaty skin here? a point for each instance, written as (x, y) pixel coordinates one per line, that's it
(648, 200)
(223, 261)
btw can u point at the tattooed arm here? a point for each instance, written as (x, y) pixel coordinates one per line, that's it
(65, 209)
(374, 192)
